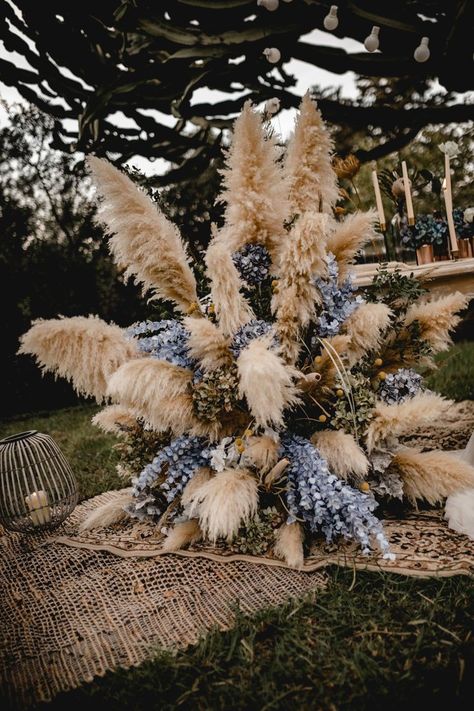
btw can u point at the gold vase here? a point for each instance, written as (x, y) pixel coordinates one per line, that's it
(425, 254)
(465, 248)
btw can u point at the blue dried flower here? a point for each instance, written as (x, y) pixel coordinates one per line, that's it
(338, 300)
(399, 386)
(165, 340)
(464, 229)
(247, 333)
(325, 502)
(183, 456)
(253, 263)
(426, 230)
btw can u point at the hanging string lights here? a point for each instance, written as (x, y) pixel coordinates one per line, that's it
(331, 23)
(372, 42)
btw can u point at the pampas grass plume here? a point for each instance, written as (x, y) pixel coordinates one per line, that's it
(182, 534)
(207, 344)
(84, 350)
(349, 236)
(365, 327)
(262, 453)
(225, 502)
(289, 544)
(156, 390)
(460, 512)
(342, 453)
(115, 419)
(265, 382)
(394, 420)
(311, 177)
(108, 514)
(142, 238)
(232, 309)
(432, 476)
(255, 191)
(437, 317)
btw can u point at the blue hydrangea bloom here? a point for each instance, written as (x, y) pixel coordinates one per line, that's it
(463, 229)
(325, 502)
(253, 263)
(397, 387)
(183, 456)
(247, 333)
(338, 300)
(165, 340)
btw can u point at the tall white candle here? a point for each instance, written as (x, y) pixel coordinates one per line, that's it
(448, 201)
(38, 504)
(406, 185)
(378, 200)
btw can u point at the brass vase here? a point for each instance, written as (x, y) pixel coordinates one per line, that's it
(425, 254)
(465, 248)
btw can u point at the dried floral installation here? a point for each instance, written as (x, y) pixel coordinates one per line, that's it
(270, 409)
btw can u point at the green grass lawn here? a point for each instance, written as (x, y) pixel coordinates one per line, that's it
(370, 641)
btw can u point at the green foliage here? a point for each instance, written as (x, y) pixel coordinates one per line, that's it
(53, 257)
(363, 400)
(396, 290)
(454, 377)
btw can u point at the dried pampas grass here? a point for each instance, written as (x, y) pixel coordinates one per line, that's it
(84, 350)
(224, 503)
(366, 326)
(431, 476)
(302, 258)
(255, 191)
(207, 344)
(437, 317)
(232, 309)
(266, 382)
(158, 391)
(182, 534)
(395, 420)
(349, 236)
(289, 544)
(115, 419)
(142, 238)
(108, 514)
(311, 177)
(191, 489)
(344, 456)
(262, 453)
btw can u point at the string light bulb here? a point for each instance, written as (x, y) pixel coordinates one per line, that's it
(372, 42)
(272, 54)
(422, 52)
(268, 4)
(331, 21)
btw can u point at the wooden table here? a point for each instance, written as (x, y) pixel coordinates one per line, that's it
(440, 277)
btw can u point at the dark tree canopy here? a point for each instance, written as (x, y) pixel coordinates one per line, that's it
(103, 56)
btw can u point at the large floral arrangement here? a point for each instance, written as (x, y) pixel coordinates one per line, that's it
(271, 406)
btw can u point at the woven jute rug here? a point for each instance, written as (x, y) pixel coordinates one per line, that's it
(69, 613)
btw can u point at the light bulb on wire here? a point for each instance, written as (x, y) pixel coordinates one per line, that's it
(268, 4)
(372, 42)
(331, 21)
(422, 52)
(272, 54)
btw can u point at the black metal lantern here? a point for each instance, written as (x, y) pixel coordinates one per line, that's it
(37, 487)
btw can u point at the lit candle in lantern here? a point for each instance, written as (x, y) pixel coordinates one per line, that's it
(378, 199)
(38, 504)
(406, 185)
(448, 201)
